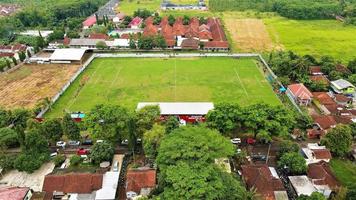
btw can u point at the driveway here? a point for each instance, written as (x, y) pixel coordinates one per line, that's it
(23, 179)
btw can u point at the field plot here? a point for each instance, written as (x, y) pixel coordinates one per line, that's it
(131, 80)
(249, 35)
(315, 37)
(24, 87)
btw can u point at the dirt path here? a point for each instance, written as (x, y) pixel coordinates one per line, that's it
(250, 35)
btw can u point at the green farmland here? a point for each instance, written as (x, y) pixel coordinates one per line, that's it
(127, 81)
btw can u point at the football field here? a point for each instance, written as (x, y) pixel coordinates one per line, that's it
(127, 81)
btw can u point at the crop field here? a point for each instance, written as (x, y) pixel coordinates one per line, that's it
(127, 81)
(26, 86)
(315, 37)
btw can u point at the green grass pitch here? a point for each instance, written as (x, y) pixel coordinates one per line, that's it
(127, 81)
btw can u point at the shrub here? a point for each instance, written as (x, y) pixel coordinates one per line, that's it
(75, 160)
(101, 152)
(7, 161)
(30, 162)
(58, 160)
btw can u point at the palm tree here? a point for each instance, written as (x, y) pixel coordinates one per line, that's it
(46, 103)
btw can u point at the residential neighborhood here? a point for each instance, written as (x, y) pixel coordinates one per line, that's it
(177, 99)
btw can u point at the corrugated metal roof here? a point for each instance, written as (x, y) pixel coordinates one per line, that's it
(341, 84)
(68, 54)
(181, 108)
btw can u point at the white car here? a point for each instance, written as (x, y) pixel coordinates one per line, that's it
(99, 141)
(238, 151)
(236, 141)
(61, 144)
(116, 166)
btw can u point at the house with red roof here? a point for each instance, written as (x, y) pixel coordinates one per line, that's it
(15, 193)
(314, 153)
(265, 181)
(300, 94)
(98, 36)
(315, 70)
(81, 184)
(89, 22)
(135, 23)
(140, 181)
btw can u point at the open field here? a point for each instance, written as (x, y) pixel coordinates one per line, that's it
(132, 80)
(315, 37)
(26, 86)
(345, 171)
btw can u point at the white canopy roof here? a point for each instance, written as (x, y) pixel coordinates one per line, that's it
(181, 108)
(302, 185)
(109, 187)
(68, 54)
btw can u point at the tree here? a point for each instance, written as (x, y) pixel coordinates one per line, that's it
(352, 65)
(22, 56)
(132, 43)
(313, 196)
(101, 45)
(70, 128)
(52, 129)
(160, 42)
(186, 20)
(294, 162)
(287, 146)
(35, 143)
(224, 117)
(171, 124)
(18, 120)
(152, 140)
(352, 79)
(108, 122)
(102, 151)
(30, 162)
(335, 75)
(3, 64)
(5, 117)
(264, 137)
(186, 161)
(146, 117)
(14, 60)
(8, 138)
(75, 160)
(59, 159)
(8, 63)
(171, 20)
(338, 140)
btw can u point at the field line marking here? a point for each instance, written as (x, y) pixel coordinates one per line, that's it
(112, 82)
(238, 78)
(175, 79)
(90, 78)
(258, 81)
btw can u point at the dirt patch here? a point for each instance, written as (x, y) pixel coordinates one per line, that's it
(26, 86)
(250, 35)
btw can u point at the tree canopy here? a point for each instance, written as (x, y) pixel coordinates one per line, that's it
(102, 151)
(152, 140)
(295, 162)
(338, 140)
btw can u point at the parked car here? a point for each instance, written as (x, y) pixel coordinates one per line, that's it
(99, 141)
(82, 151)
(250, 141)
(73, 143)
(115, 168)
(87, 142)
(236, 141)
(53, 154)
(259, 157)
(125, 142)
(238, 151)
(61, 144)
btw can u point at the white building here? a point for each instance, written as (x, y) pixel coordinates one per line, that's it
(314, 153)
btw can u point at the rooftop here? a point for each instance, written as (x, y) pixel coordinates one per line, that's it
(13, 193)
(137, 179)
(300, 91)
(68, 54)
(321, 174)
(302, 185)
(341, 84)
(180, 108)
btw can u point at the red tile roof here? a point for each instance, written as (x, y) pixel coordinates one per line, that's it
(3, 55)
(323, 98)
(13, 193)
(216, 44)
(191, 31)
(342, 98)
(321, 174)
(141, 178)
(300, 91)
(314, 70)
(319, 79)
(313, 133)
(164, 21)
(321, 153)
(66, 41)
(205, 35)
(216, 29)
(81, 183)
(178, 27)
(260, 178)
(342, 68)
(98, 36)
(135, 21)
(343, 119)
(90, 21)
(150, 30)
(325, 122)
(19, 47)
(190, 43)
(149, 21)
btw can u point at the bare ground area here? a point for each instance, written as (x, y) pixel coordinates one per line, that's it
(250, 35)
(26, 86)
(23, 179)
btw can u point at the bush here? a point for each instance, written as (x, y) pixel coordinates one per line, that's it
(30, 162)
(8, 138)
(75, 160)
(58, 160)
(7, 161)
(101, 152)
(294, 162)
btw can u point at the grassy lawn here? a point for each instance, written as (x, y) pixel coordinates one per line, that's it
(316, 37)
(345, 171)
(132, 80)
